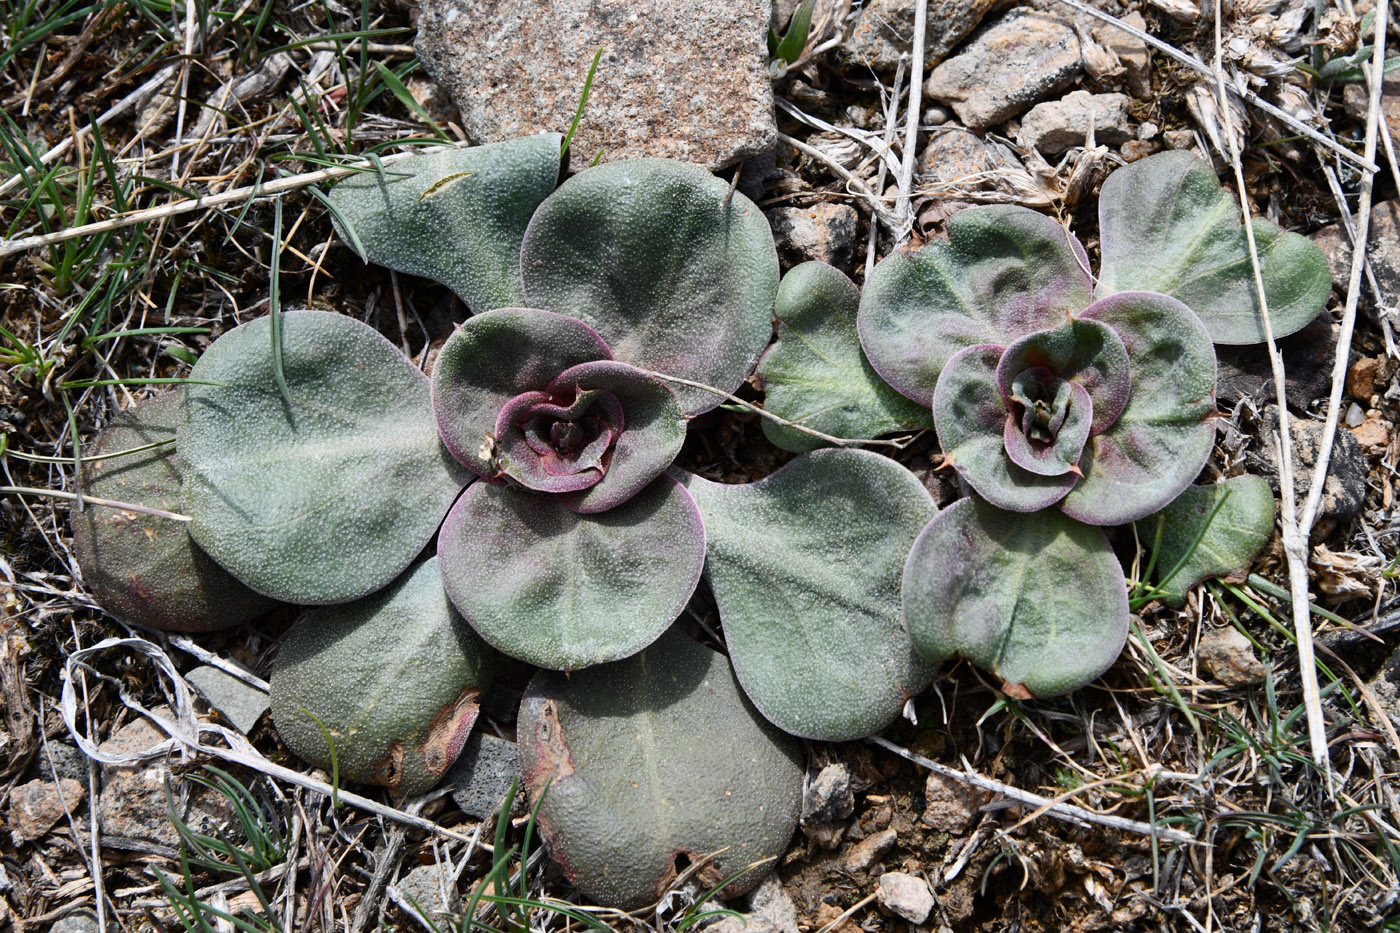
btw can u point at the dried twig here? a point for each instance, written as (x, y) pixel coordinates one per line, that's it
(911, 122)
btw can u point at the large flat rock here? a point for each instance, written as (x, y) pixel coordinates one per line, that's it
(676, 80)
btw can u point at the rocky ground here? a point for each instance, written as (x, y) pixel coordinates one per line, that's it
(1198, 733)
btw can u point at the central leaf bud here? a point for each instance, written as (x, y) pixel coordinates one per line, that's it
(1044, 401)
(568, 436)
(559, 441)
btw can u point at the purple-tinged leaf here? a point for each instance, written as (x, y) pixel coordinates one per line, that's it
(562, 590)
(396, 679)
(493, 358)
(145, 569)
(676, 272)
(1039, 600)
(972, 423)
(1087, 352)
(1164, 437)
(805, 568)
(1059, 453)
(1003, 273)
(457, 216)
(1166, 226)
(643, 766)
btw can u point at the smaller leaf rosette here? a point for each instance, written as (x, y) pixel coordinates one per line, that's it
(1041, 398)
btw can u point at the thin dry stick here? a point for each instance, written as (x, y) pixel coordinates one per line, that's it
(891, 117)
(1061, 811)
(1195, 64)
(888, 218)
(897, 444)
(163, 211)
(911, 122)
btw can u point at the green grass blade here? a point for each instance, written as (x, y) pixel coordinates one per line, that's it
(582, 101)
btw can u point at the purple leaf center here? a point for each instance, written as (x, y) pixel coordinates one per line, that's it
(550, 442)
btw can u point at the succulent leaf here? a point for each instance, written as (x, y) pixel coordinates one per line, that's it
(650, 761)
(562, 590)
(496, 357)
(1086, 352)
(1163, 438)
(457, 216)
(1048, 439)
(805, 567)
(1209, 531)
(973, 426)
(1167, 226)
(816, 373)
(1004, 272)
(142, 568)
(990, 586)
(676, 272)
(327, 499)
(396, 679)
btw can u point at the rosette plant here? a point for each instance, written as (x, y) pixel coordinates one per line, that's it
(1066, 403)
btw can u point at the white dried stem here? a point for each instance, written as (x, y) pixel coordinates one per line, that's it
(911, 121)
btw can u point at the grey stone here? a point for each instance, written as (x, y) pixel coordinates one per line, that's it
(59, 759)
(134, 804)
(1382, 251)
(829, 796)
(482, 776)
(1007, 67)
(1344, 490)
(823, 233)
(1056, 125)
(955, 159)
(1307, 356)
(79, 921)
(1229, 657)
(950, 806)
(676, 80)
(240, 703)
(884, 31)
(1356, 100)
(433, 889)
(905, 896)
(866, 852)
(770, 910)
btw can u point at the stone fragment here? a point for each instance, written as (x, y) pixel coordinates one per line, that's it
(35, 807)
(676, 80)
(829, 797)
(1056, 125)
(79, 921)
(955, 159)
(866, 852)
(240, 703)
(1364, 378)
(1132, 52)
(1343, 492)
(1229, 657)
(433, 889)
(950, 806)
(134, 805)
(1007, 67)
(1308, 356)
(905, 896)
(770, 910)
(1356, 100)
(1180, 139)
(1383, 251)
(1374, 431)
(885, 31)
(59, 759)
(1135, 149)
(823, 232)
(483, 773)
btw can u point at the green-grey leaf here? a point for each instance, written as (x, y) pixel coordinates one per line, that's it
(1167, 226)
(805, 566)
(675, 272)
(1004, 272)
(144, 568)
(649, 763)
(1037, 598)
(395, 679)
(328, 500)
(562, 590)
(817, 375)
(1209, 531)
(456, 216)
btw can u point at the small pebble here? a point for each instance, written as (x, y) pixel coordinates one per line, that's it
(905, 896)
(1148, 130)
